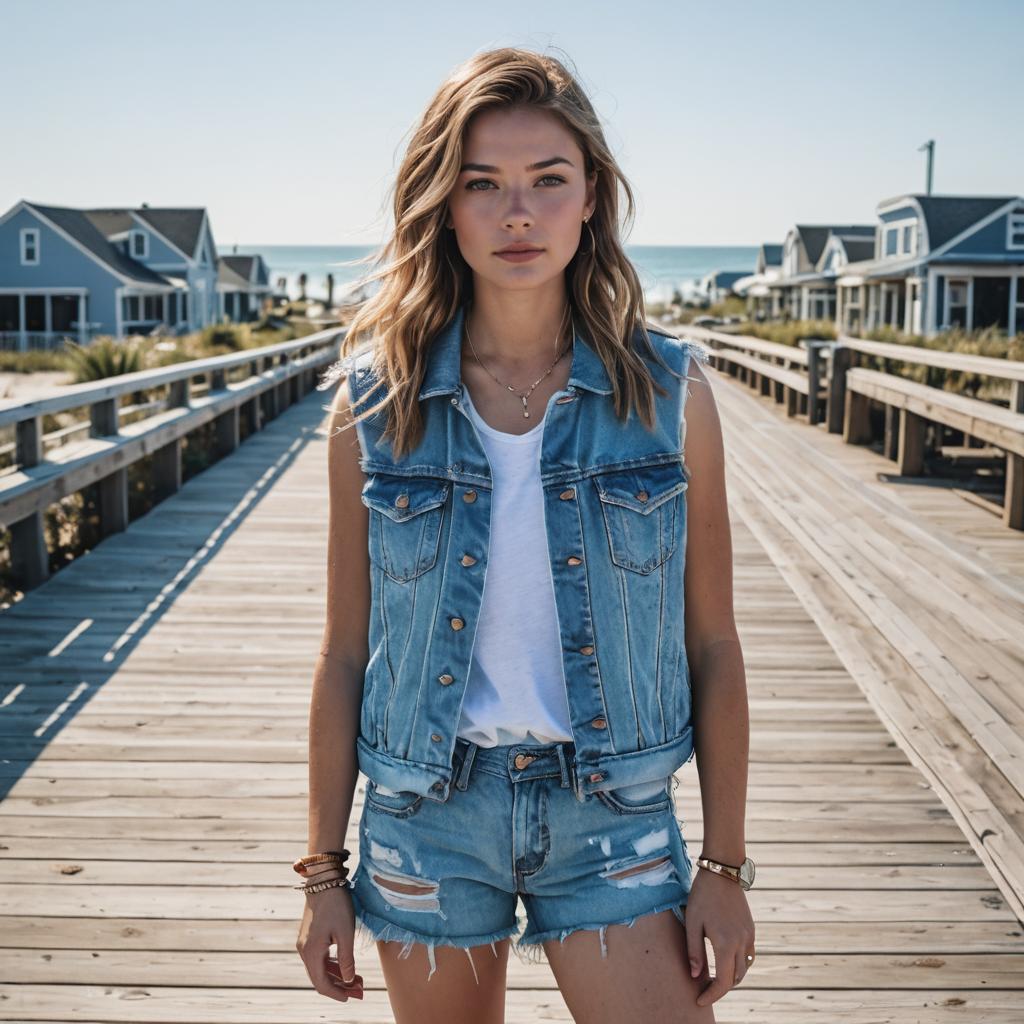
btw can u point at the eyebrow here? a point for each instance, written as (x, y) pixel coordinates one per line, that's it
(540, 165)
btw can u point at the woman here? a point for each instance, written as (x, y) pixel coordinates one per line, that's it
(513, 653)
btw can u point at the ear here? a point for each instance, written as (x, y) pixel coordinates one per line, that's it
(591, 201)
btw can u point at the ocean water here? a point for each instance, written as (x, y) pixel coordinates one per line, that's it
(662, 268)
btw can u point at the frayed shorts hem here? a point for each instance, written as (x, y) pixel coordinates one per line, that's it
(371, 928)
(529, 945)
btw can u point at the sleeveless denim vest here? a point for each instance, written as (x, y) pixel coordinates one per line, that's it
(615, 517)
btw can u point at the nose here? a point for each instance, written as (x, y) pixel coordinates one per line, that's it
(518, 215)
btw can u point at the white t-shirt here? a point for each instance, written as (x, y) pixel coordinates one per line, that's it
(516, 689)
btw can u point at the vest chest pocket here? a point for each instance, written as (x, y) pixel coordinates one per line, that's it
(405, 522)
(641, 512)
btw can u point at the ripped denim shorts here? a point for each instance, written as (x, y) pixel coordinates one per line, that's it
(452, 873)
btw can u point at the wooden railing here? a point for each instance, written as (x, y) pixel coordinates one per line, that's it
(821, 379)
(122, 423)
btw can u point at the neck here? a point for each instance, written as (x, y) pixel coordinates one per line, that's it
(519, 331)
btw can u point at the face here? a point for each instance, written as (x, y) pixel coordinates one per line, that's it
(522, 180)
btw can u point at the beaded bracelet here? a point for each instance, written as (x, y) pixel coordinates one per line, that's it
(343, 881)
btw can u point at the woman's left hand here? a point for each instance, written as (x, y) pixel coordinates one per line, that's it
(717, 908)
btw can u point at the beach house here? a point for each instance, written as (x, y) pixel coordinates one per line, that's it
(69, 272)
(243, 284)
(811, 256)
(754, 287)
(719, 283)
(938, 262)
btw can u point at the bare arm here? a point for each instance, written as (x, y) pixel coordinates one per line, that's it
(338, 678)
(721, 717)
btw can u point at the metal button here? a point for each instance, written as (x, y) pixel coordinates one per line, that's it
(573, 560)
(402, 501)
(468, 560)
(568, 494)
(587, 650)
(457, 623)
(522, 760)
(596, 776)
(599, 723)
(438, 786)
(446, 679)
(435, 737)
(642, 495)
(469, 496)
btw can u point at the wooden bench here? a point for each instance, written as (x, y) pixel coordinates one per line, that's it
(911, 406)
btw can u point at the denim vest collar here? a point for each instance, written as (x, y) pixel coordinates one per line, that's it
(443, 374)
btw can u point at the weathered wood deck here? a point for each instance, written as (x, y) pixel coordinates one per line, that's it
(153, 703)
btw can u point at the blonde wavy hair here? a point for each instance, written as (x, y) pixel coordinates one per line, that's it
(424, 278)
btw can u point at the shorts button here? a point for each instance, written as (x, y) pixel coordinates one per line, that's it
(469, 496)
(568, 494)
(402, 501)
(435, 737)
(596, 777)
(468, 560)
(457, 623)
(573, 560)
(438, 786)
(599, 723)
(446, 679)
(587, 650)
(522, 760)
(641, 495)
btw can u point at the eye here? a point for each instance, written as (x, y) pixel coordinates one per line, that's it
(486, 181)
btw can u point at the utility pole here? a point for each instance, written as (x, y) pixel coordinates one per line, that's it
(930, 146)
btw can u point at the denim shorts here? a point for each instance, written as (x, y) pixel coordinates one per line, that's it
(452, 873)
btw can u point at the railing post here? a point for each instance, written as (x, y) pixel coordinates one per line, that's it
(1013, 499)
(814, 347)
(30, 559)
(167, 469)
(835, 412)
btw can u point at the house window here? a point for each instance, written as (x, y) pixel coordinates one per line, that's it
(1020, 305)
(891, 238)
(152, 307)
(130, 308)
(183, 300)
(30, 247)
(1015, 229)
(908, 237)
(139, 245)
(957, 304)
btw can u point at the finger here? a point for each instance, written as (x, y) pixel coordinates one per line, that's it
(695, 945)
(725, 967)
(316, 968)
(740, 967)
(345, 961)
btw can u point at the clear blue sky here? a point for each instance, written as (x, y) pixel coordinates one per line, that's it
(732, 120)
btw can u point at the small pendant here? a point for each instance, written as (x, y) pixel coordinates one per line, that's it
(526, 412)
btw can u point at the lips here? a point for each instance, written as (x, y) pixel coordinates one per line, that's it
(520, 247)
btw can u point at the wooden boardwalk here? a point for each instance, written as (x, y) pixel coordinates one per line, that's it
(153, 711)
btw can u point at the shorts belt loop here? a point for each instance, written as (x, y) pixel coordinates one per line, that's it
(566, 779)
(462, 782)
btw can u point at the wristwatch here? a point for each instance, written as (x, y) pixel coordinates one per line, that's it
(744, 874)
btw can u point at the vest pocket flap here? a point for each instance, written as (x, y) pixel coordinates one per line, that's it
(642, 489)
(401, 497)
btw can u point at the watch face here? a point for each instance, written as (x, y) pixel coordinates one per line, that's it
(747, 872)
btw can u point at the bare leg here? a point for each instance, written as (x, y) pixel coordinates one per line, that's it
(453, 995)
(645, 976)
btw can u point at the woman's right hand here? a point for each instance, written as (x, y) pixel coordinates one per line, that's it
(330, 918)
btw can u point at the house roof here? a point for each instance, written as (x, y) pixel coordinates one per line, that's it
(815, 236)
(243, 266)
(84, 230)
(859, 248)
(227, 274)
(726, 278)
(771, 254)
(947, 216)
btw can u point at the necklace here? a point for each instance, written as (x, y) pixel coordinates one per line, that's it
(524, 398)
